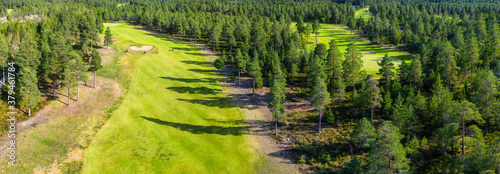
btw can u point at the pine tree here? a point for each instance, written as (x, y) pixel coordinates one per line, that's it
(387, 103)
(447, 64)
(95, 64)
(108, 37)
(462, 112)
(472, 55)
(316, 27)
(81, 68)
(485, 85)
(334, 63)
(241, 62)
(254, 70)
(416, 72)
(28, 55)
(215, 35)
(388, 154)
(277, 93)
(320, 97)
(352, 66)
(4, 55)
(29, 93)
(339, 88)
(372, 93)
(363, 134)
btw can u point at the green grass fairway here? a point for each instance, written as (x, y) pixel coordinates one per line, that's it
(341, 34)
(174, 118)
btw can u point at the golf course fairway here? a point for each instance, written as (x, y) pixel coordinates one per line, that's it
(173, 119)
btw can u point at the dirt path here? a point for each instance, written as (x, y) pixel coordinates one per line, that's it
(275, 158)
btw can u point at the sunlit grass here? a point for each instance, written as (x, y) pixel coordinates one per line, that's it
(343, 36)
(174, 119)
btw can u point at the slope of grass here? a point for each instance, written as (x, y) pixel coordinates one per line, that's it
(363, 12)
(174, 118)
(371, 53)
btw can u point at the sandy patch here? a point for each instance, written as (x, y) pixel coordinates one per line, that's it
(143, 48)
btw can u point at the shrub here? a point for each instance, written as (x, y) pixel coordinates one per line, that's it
(330, 119)
(302, 159)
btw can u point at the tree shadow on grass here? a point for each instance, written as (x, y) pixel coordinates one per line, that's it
(244, 101)
(219, 102)
(201, 63)
(199, 90)
(203, 70)
(199, 129)
(185, 80)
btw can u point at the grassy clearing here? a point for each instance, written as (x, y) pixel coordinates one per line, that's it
(341, 34)
(363, 12)
(174, 119)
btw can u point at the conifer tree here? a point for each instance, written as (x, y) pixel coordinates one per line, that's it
(352, 66)
(29, 93)
(388, 154)
(334, 63)
(278, 90)
(320, 97)
(485, 85)
(447, 65)
(416, 72)
(315, 28)
(462, 112)
(108, 37)
(363, 134)
(4, 55)
(241, 62)
(95, 64)
(372, 93)
(254, 71)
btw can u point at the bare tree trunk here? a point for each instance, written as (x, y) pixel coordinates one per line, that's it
(319, 126)
(463, 134)
(253, 90)
(29, 110)
(371, 113)
(94, 79)
(239, 78)
(69, 102)
(276, 124)
(77, 94)
(54, 86)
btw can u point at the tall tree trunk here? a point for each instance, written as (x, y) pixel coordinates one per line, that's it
(231, 49)
(371, 113)
(276, 124)
(316, 39)
(68, 96)
(94, 79)
(449, 81)
(239, 78)
(29, 110)
(77, 94)
(54, 86)
(463, 134)
(253, 90)
(319, 126)
(486, 125)
(471, 67)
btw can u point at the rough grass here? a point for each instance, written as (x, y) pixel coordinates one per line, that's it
(9, 10)
(174, 119)
(344, 37)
